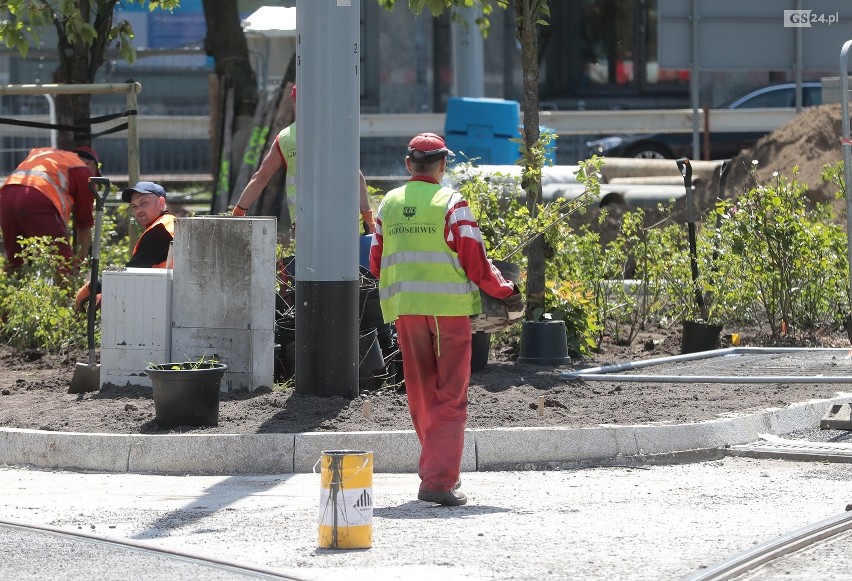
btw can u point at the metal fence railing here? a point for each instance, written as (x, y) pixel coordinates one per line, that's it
(179, 144)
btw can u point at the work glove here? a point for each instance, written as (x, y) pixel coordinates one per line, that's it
(239, 211)
(369, 222)
(515, 306)
(82, 298)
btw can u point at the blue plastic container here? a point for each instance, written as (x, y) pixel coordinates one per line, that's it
(480, 130)
(364, 256)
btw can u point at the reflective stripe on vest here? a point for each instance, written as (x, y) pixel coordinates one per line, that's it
(435, 257)
(287, 147)
(448, 288)
(421, 275)
(168, 221)
(46, 170)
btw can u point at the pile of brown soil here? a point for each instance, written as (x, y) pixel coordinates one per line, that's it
(810, 141)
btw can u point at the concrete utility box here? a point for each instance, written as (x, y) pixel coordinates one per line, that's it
(223, 296)
(135, 324)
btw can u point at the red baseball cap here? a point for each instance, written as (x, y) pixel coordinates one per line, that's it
(429, 147)
(89, 154)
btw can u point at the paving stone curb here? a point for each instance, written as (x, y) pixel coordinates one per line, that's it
(396, 451)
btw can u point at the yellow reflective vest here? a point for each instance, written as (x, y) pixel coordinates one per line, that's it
(287, 147)
(420, 274)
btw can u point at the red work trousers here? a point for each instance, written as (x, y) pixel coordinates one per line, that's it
(436, 363)
(26, 213)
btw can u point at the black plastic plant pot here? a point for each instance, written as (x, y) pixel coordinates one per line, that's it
(186, 394)
(544, 343)
(699, 337)
(480, 347)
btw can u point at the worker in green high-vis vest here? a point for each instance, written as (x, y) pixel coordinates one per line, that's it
(430, 259)
(282, 154)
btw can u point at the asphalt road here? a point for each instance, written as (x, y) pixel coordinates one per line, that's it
(662, 522)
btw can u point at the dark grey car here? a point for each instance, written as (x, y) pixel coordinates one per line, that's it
(723, 145)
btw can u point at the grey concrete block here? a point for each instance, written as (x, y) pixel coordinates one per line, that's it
(665, 439)
(64, 450)
(498, 448)
(801, 415)
(394, 451)
(212, 454)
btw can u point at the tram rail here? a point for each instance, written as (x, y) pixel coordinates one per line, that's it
(152, 557)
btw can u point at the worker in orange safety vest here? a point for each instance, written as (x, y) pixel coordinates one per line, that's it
(148, 206)
(42, 194)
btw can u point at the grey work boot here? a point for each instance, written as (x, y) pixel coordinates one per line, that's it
(448, 498)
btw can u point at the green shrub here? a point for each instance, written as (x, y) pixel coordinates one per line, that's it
(790, 255)
(37, 303)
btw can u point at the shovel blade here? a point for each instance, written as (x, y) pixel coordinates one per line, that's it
(86, 378)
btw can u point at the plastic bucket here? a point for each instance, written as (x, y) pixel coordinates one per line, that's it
(544, 343)
(480, 347)
(346, 500)
(369, 308)
(186, 394)
(699, 337)
(370, 359)
(364, 250)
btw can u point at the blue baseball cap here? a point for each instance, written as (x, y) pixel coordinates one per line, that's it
(143, 188)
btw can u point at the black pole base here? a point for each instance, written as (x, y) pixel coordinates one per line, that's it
(327, 338)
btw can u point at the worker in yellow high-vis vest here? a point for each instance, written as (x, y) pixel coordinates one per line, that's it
(431, 264)
(283, 154)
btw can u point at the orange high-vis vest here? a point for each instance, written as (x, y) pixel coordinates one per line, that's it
(167, 220)
(46, 170)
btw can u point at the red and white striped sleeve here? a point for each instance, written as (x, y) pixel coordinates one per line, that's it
(464, 237)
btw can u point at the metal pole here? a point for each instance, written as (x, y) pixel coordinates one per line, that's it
(133, 169)
(846, 141)
(96, 89)
(797, 66)
(54, 133)
(468, 58)
(328, 151)
(694, 86)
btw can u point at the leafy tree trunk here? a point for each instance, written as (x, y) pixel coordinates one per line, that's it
(226, 43)
(527, 16)
(78, 64)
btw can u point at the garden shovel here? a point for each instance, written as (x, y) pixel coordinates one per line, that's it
(686, 171)
(87, 376)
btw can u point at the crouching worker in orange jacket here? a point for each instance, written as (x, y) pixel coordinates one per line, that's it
(40, 197)
(148, 206)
